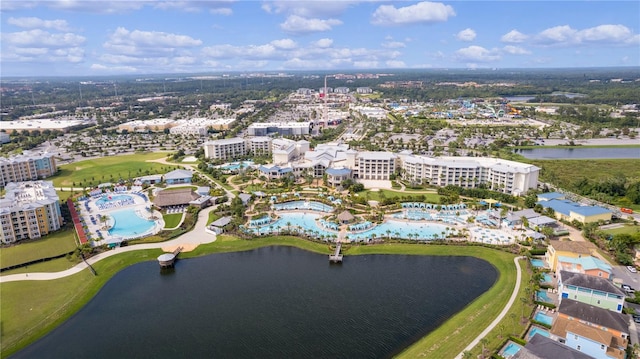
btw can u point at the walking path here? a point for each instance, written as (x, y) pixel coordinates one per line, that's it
(188, 241)
(502, 314)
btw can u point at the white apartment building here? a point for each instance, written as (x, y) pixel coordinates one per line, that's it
(500, 175)
(371, 165)
(29, 210)
(280, 128)
(260, 145)
(27, 167)
(225, 149)
(284, 150)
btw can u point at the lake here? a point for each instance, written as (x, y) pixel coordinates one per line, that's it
(272, 302)
(580, 153)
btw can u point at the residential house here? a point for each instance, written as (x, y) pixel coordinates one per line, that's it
(541, 347)
(588, 265)
(591, 340)
(573, 249)
(615, 323)
(589, 289)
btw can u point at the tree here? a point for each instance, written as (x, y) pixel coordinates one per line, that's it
(484, 342)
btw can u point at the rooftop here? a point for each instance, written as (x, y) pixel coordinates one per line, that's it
(595, 315)
(572, 246)
(589, 281)
(541, 347)
(178, 174)
(566, 207)
(587, 263)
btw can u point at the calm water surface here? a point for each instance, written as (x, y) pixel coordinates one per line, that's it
(580, 153)
(273, 302)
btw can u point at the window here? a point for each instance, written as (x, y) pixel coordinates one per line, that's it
(602, 346)
(578, 347)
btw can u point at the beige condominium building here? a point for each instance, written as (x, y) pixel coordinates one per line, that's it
(225, 149)
(26, 167)
(29, 210)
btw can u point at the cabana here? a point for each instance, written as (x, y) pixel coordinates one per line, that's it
(345, 217)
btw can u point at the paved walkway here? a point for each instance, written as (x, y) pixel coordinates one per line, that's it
(502, 314)
(190, 239)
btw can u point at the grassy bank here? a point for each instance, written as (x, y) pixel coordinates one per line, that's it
(52, 245)
(26, 315)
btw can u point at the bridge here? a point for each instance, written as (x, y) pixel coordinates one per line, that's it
(336, 257)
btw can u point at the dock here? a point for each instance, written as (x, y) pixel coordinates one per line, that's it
(336, 257)
(168, 259)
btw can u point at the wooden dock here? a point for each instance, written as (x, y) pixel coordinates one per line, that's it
(168, 259)
(336, 257)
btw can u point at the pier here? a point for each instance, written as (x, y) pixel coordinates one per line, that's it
(168, 259)
(336, 257)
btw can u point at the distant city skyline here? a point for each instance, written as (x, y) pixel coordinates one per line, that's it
(96, 38)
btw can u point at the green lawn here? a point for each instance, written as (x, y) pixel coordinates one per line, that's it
(108, 169)
(384, 193)
(56, 243)
(212, 217)
(172, 220)
(27, 315)
(628, 229)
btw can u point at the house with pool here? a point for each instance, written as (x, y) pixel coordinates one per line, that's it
(539, 347)
(592, 290)
(614, 323)
(588, 265)
(570, 249)
(594, 341)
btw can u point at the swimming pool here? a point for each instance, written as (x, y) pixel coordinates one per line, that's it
(294, 221)
(303, 205)
(547, 278)
(537, 330)
(406, 230)
(127, 224)
(543, 297)
(511, 349)
(539, 263)
(236, 165)
(543, 318)
(113, 199)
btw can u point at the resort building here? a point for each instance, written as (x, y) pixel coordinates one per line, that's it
(175, 197)
(260, 145)
(275, 172)
(588, 339)
(284, 150)
(571, 249)
(571, 211)
(541, 347)
(154, 125)
(587, 289)
(178, 177)
(371, 165)
(280, 128)
(588, 265)
(500, 175)
(29, 210)
(335, 176)
(225, 149)
(27, 167)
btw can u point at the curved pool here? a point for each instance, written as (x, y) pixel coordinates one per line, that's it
(127, 224)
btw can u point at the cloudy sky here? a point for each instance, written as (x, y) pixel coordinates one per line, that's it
(87, 37)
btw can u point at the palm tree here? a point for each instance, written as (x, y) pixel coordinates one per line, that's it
(388, 234)
(484, 341)
(288, 226)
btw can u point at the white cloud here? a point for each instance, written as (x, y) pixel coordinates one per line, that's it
(218, 7)
(222, 11)
(466, 35)
(514, 36)
(323, 43)
(299, 24)
(366, 64)
(476, 54)
(34, 23)
(286, 44)
(96, 6)
(146, 43)
(393, 45)
(606, 34)
(515, 50)
(41, 38)
(423, 12)
(113, 69)
(308, 8)
(396, 64)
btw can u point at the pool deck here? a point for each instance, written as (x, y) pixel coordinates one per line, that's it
(139, 205)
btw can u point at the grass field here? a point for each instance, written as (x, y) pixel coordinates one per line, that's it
(55, 244)
(566, 172)
(27, 315)
(378, 195)
(628, 229)
(172, 220)
(108, 169)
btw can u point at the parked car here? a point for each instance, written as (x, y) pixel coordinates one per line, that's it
(632, 269)
(636, 319)
(628, 289)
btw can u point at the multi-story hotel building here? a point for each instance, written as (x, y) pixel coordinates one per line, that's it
(29, 210)
(26, 167)
(371, 165)
(500, 175)
(280, 128)
(225, 149)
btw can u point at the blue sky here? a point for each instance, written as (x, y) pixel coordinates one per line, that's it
(87, 37)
